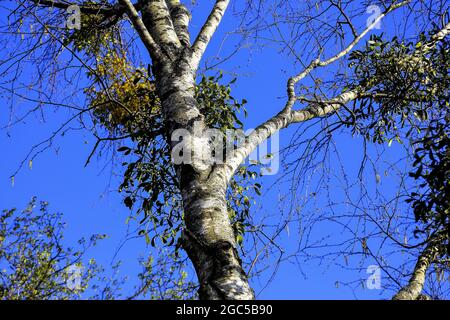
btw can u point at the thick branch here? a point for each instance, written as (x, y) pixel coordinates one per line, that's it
(152, 47)
(413, 289)
(180, 19)
(283, 120)
(207, 31)
(439, 36)
(92, 8)
(156, 17)
(315, 109)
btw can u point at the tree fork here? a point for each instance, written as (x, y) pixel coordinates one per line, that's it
(208, 237)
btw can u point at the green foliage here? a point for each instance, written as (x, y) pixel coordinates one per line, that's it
(165, 278)
(124, 101)
(405, 90)
(34, 264)
(431, 203)
(150, 179)
(403, 84)
(244, 187)
(97, 32)
(219, 107)
(120, 95)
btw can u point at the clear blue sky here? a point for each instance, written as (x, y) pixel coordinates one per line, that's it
(90, 205)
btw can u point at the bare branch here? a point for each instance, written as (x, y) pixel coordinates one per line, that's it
(91, 8)
(150, 44)
(319, 63)
(315, 109)
(414, 288)
(207, 31)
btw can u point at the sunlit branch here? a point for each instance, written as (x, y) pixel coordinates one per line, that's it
(207, 31)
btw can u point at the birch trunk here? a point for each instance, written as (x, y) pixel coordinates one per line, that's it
(413, 290)
(210, 243)
(208, 237)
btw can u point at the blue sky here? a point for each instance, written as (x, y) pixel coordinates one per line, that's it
(87, 196)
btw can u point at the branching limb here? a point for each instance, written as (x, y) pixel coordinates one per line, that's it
(413, 289)
(338, 5)
(283, 120)
(150, 44)
(207, 31)
(156, 17)
(315, 109)
(180, 18)
(322, 63)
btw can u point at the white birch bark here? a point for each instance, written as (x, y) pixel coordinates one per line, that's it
(208, 237)
(413, 289)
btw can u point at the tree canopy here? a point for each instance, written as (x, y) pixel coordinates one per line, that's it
(139, 78)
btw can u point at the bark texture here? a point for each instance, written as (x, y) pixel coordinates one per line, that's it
(209, 241)
(208, 237)
(413, 290)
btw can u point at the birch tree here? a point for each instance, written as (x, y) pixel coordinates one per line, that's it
(207, 234)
